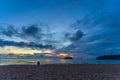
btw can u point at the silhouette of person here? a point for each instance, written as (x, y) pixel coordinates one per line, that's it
(38, 63)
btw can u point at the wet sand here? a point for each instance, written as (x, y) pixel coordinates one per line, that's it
(61, 72)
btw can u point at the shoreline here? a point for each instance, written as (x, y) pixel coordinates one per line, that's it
(56, 64)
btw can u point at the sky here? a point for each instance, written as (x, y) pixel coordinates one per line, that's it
(78, 26)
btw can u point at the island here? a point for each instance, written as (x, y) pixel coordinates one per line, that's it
(108, 57)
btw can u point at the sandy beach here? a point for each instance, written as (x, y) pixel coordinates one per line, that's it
(61, 72)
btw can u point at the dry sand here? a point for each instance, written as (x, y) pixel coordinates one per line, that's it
(61, 72)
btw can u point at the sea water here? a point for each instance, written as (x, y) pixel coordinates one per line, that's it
(34, 61)
(55, 61)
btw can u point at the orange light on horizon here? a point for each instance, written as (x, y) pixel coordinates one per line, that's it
(63, 54)
(19, 50)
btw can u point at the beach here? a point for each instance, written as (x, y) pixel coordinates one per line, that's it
(61, 72)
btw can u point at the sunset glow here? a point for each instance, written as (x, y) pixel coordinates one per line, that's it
(63, 54)
(18, 50)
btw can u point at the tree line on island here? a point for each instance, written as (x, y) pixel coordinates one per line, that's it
(108, 57)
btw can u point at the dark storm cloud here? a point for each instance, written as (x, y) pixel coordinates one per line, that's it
(75, 37)
(23, 44)
(10, 31)
(31, 30)
(67, 35)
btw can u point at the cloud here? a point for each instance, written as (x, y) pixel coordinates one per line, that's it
(9, 31)
(23, 44)
(75, 37)
(31, 30)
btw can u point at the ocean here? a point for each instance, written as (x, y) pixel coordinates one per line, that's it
(55, 61)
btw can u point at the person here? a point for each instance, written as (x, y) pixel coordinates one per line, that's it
(38, 63)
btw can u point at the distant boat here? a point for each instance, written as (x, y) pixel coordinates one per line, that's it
(68, 57)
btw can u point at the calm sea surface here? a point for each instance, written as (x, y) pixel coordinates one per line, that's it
(55, 61)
